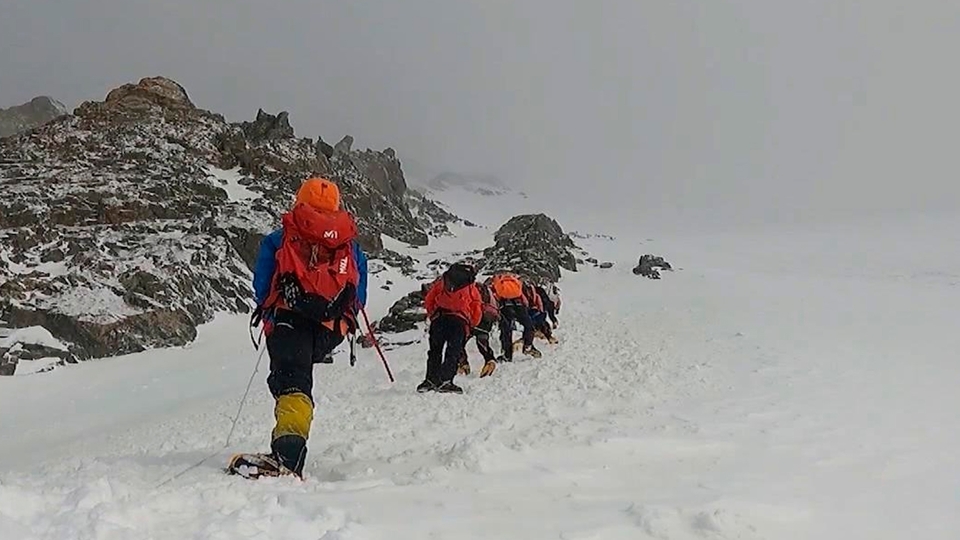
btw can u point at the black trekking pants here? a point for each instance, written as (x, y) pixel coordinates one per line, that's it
(508, 314)
(450, 332)
(293, 344)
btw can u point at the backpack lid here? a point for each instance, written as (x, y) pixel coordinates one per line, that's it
(458, 276)
(329, 229)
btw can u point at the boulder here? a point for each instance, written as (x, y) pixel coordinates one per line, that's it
(533, 246)
(157, 96)
(649, 266)
(405, 314)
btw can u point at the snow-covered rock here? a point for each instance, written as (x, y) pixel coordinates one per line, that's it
(649, 266)
(533, 246)
(32, 343)
(405, 314)
(126, 224)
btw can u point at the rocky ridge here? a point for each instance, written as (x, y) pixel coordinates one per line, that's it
(129, 222)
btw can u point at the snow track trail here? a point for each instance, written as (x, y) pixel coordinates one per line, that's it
(717, 403)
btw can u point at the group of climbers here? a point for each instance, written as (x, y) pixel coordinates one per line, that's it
(459, 308)
(310, 283)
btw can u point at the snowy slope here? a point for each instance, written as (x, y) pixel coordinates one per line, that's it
(775, 387)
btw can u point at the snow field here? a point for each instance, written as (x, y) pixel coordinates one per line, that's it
(781, 385)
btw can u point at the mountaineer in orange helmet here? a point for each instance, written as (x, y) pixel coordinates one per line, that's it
(508, 289)
(310, 281)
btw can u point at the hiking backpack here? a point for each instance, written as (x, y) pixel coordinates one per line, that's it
(316, 274)
(507, 287)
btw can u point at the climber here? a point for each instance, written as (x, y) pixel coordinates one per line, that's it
(553, 293)
(310, 281)
(508, 289)
(545, 320)
(453, 308)
(491, 314)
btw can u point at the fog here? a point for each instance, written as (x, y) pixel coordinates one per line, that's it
(709, 110)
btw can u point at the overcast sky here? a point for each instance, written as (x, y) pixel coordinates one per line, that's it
(722, 107)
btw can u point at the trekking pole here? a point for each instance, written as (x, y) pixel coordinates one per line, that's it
(376, 344)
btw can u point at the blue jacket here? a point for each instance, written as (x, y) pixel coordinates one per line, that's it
(267, 262)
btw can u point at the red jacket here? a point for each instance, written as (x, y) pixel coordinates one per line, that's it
(464, 303)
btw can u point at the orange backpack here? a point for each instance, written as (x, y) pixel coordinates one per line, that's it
(507, 287)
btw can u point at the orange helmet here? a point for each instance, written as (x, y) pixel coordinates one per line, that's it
(319, 193)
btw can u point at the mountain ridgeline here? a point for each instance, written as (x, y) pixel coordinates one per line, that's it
(129, 222)
(132, 220)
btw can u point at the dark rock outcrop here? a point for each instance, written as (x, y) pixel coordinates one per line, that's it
(405, 314)
(8, 365)
(323, 148)
(130, 222)
(35, 112)
(345, 146)
(405, 263)
(649, 266)
(533, 246)
(268, 127)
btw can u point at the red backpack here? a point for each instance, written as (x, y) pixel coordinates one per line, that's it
(316, 274)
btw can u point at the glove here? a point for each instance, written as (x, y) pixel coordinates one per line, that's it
(488, 368)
